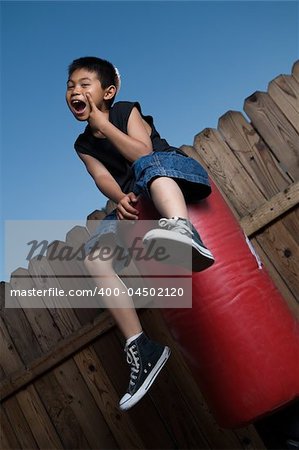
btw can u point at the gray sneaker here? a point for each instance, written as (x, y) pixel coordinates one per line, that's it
(179, 237)
(146, 359)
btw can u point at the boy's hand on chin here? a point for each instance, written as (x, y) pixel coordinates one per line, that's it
(97, 119)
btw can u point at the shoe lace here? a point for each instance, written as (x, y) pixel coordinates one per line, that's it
(176, 224)
(133, 360)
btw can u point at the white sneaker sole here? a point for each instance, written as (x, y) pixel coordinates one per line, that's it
(132, 400)
(175, 245)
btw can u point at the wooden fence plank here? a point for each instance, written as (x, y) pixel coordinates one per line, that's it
(168, 398)
(74, 268)
(190, 151)
(40, 319)
(2, 295)
(20, 331)
(14, 406)
(10, 359)
(2, 373)
(57, 403)
(19, 424)
(249, 438)
(284, 90)
(8, 438)
(62, 350)
(66, 258)
(270, 210)
(92, 422)
(276, 277)
(73, 279)
(291, 222)
(227, 172)
(77, 238)
(253, 154)
(275, 129)
(107, 399)
(77, 235)
(295, 70)
(59, 307)
(5, 340)
(283, 250)
(4, 441)
(38, 419)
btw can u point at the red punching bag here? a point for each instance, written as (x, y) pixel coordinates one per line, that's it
(239, 338)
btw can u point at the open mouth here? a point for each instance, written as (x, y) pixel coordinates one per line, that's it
(78, 105)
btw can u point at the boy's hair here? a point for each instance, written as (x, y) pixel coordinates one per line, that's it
(104, 69)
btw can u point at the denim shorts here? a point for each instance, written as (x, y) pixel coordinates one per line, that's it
(188, 173)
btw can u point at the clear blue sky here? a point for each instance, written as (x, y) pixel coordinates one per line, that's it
(187, 63)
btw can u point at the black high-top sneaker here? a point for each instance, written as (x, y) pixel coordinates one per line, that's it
(182, 243)
(146, 359)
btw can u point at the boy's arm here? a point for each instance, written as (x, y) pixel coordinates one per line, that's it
(102, 178)
(133, 145)
(110, 188)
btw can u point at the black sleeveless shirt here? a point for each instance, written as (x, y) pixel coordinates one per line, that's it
(104, 151)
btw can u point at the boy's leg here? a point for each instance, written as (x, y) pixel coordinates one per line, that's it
(168, 198)
(145, 357)
(121, 307)
(176, 232)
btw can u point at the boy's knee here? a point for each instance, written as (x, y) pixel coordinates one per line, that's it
(87, 262)
(95, 265)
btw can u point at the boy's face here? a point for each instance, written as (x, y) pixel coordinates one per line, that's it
(80, 82)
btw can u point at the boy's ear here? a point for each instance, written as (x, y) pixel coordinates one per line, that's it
(110, 92)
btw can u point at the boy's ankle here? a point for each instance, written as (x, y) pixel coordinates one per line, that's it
(133, 338)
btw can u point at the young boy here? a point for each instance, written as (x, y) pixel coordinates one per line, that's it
(125, 155)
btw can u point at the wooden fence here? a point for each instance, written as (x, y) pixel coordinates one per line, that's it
(62, 370)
